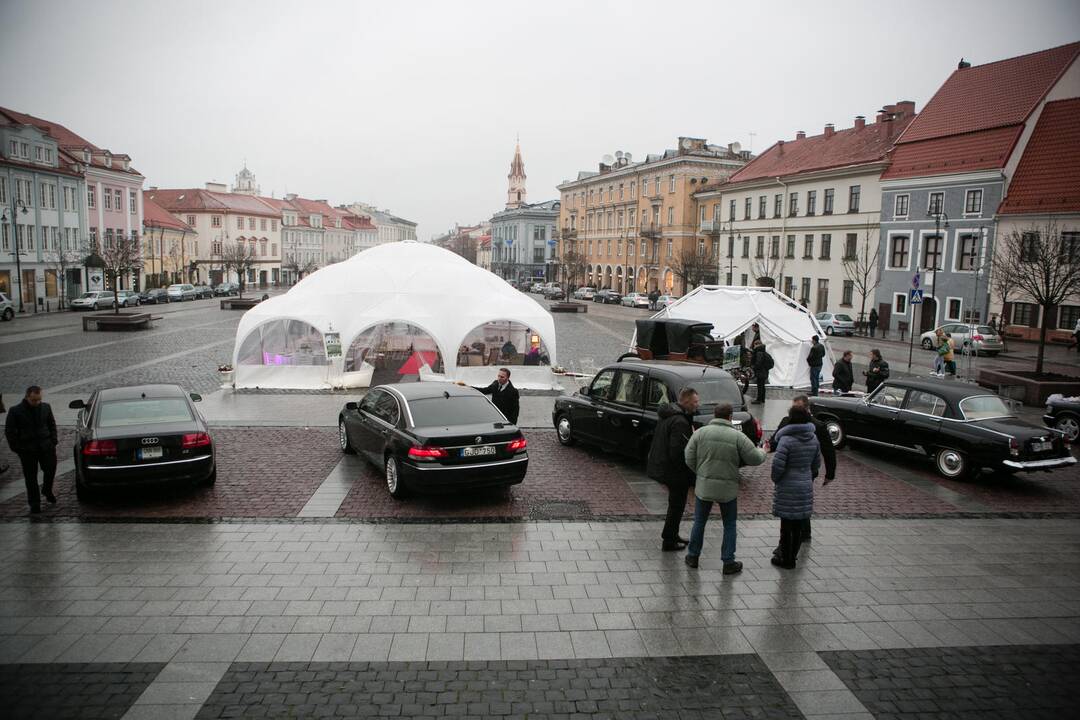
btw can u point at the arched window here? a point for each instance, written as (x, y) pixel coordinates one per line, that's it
(503, 342)
(283, 343)
(396, 350)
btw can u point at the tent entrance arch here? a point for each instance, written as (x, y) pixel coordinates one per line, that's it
(503, 342)
(394, 352)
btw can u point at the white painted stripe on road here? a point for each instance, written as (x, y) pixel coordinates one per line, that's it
(813, 686)
(179, 690)
(333, 490)
(136, 366)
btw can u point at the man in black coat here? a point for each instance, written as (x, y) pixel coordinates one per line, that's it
(31, 433)
(667, 462)
(843, 374)
(504, 395)
(815, 358)
(828, 451)
(873, 321)
(761, 363)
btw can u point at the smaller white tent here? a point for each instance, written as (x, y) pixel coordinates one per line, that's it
(786, 327)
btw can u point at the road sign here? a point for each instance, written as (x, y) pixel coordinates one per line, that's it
(915, 298)
(915, 281)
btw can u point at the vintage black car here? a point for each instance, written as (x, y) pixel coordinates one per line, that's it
(434, 437)
(140, 435)
(961, 427)
(675, 339)
(1063, 413)
(617, 409)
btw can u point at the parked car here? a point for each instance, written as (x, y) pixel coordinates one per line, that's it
(607, 297)
(1063, 413)
(7, 308)
(536, 287)
(432, 436)
(203, 291)
(227, 288)
(93, 300)
(617, 409)
(980, 339)
(140, 435)
(181, 291)
(836, 323)
(585, 293)
(554, 292)
(664, 300)
(128, 298)
(635, 300)
(154, 296)
(960, 427)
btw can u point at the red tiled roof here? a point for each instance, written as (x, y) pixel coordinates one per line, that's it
(155, 216)
(1047, 179)
(982, 150)
(198, 200)
(843, 148)
(67, 140)
(991, 95)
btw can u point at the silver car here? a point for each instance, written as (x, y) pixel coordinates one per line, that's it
(93, 300)
(181, 291)
(836, 323)
(7, 308)
(128, 298)
(977, 339)
(635, 300)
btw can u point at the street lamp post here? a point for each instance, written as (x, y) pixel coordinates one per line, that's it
(938, 256)
(16, 204)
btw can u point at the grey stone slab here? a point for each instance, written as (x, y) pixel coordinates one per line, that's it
(374, 647)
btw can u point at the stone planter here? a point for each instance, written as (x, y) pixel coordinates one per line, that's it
(1028, 390)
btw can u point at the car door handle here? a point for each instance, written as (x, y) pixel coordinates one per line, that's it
(635, 423)
(599, 413)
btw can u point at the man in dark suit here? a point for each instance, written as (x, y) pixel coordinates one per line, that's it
(504, 395)
(31, 433)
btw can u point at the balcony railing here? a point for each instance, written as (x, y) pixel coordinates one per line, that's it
(650, 230)
(567, 233)
(711, 227)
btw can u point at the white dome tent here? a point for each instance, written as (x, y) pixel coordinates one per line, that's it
(447, 318)
(786, 327)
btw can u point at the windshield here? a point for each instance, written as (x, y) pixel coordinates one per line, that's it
(713, 391)
(87, 295)
(983, 407)
(455, 410)
(176, 287)
(844, 318)
(120, 413)
(985, 330)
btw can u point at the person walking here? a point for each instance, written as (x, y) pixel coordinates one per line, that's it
(828, 451)
(950, 355)
(503, 395)
(873, 321)
(715, 453)
(761, 363)
(31, 433)
(940, 349)
(843, 374)
(797, 461)
(814, 359)
(877, 372)
(667, 462)
(653, 297)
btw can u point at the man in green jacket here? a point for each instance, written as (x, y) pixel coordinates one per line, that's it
(715, 453)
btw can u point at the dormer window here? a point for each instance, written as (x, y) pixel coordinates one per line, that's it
(86, 156)
(108, 160)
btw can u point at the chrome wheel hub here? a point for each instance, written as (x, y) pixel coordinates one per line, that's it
(391, 475)
(564, 428)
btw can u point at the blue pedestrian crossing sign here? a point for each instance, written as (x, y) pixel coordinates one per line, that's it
(915, 297)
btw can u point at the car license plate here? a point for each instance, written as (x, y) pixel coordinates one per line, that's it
(150, 453)
(478, 451)
(1040, 446)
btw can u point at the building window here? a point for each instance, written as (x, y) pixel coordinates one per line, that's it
(811, 202)
(899, 250)
(973, 202)
(215, 221)
(965, 257)
(119, 197)
(899, 304)
(933, 245)
(746, 247)
(953, 308)
(851, 241)
(848, 293)
(826, 246)
(774, 247)
(789, 251)
(1068, 315)
(793, 204)
(778, 205)
(822, 294)
(808, 247)
(671, 184)
(701, 248)
(107, 195)
(853, 198)
(251, 223)
(644, 187)
(900, 206)
(746, 208)
(1029, 247)
(828, 208)
(670, 216)
(789, 285)
(24, 192)
(935, 203)
(759, 251)
(762, 206)
(731, 209)
(132, 204)
(1025, 314)
(804, 291)
(669, 247)
(1070, 247)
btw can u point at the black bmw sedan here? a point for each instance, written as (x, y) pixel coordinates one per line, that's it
(140, 435)
(434, 437)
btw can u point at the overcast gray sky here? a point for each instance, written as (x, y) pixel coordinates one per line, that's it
(414, 106)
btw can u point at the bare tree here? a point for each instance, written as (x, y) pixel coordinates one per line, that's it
(61, 260)
(1002, 287)
(1043, 265)
(694, 269)
(861, 269)
(573, 267)
(768, 268)
(240, 257)
(120, 256)
(298, 268)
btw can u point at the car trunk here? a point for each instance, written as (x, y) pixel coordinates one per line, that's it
(1036, 443)
(162, 443)
(466, 444)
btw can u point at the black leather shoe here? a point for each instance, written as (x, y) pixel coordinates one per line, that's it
(35, 509)
(733, 568)
(777, 554)
(673, 545)
(692, 561)
(682, 540)
(49, 496)
(781, 564)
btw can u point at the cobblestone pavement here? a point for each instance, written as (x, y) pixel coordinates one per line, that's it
(733, 686)
(1026, 682)
(83, 691)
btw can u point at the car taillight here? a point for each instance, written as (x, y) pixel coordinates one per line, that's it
(427, 453)
(194, 440)
(517, 445)
(100, 447)
(1014, 447)
(977, 337)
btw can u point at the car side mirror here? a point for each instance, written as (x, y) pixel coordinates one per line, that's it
(196, 397)
(584, 390)
(351, 406)
(77, 405)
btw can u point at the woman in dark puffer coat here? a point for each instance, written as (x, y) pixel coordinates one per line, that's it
(797, 460)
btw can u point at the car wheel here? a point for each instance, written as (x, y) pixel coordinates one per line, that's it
(836, 432)
(393, 478)
(8, 313)
(828, 330)
(343, 438)
(1068, 424)
(563, 430)
(951, 464)
(928, 344)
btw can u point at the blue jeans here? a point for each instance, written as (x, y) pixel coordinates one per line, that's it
(729, 512)
(939, 364)
(815, 378)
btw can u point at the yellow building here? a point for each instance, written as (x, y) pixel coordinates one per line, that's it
(168, 245)
(634, 226)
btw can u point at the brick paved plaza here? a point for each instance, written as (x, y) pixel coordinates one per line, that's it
(296, 587)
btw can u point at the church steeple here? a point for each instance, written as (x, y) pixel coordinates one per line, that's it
(515, 195)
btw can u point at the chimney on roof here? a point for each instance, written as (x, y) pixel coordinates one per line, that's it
(800, 135)
(963, 64)
(780, 146)
(829, 130)
(321, 201)
(216, 187)
(860, 122)
(290, 196)
(153, 188)
(905, 108)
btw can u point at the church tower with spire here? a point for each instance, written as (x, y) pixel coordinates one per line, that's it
(515, 195)
(245, 182)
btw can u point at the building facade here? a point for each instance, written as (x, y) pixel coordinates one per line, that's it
(523, 240)
(388, 227)
(804, 215)
(629, 225)
(164, 237)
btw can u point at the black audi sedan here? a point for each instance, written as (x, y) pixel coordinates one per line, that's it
(154, 296)
(434, 437)
(617, 409)
(141, 435)
(961, 427)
